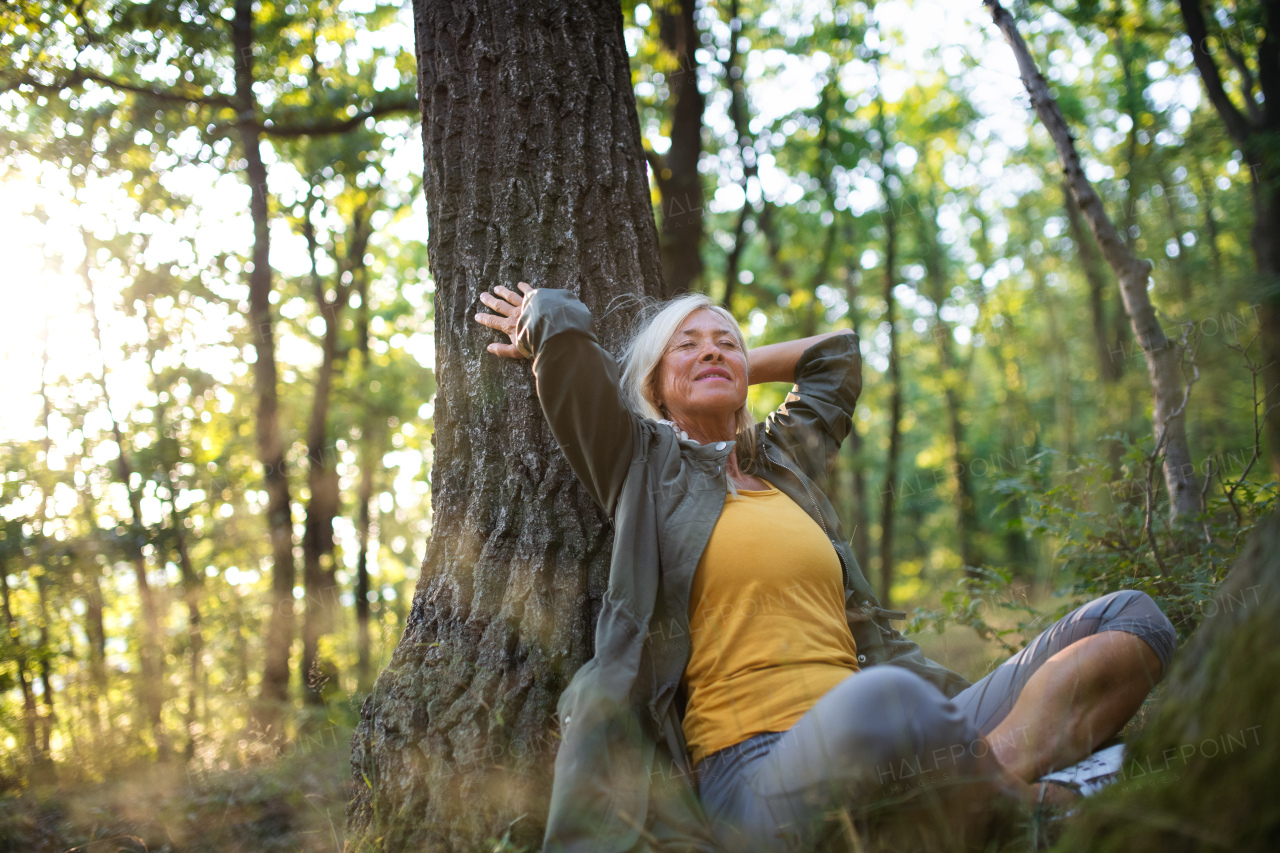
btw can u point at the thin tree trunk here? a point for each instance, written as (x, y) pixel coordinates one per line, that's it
(49, 717)
(746, 153)
(1133, 106)
(1110, 362)
(676, 172)
(41, 762)
(952, 380)
(1163, 357)
(889, 492)
(1210, 221)
(322, 475)
(169, 453)
(364, 665)
(150, 647)
(860, 517)
(543, 183)
(192, 584)
(94, 625)
(369, 457)
(1180, 264)
(1062, 403)
(275, 674)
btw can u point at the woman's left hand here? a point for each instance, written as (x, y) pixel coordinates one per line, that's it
(508, 308)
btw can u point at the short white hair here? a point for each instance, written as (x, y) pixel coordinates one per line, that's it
(643, 354)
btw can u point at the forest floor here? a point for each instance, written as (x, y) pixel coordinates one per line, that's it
(295, 803)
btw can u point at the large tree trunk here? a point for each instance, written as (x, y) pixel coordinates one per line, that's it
(275, 673)
(534, 172)
(676, 172)
(1163, 356)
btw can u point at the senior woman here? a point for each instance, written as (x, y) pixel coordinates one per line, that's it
(740, 653)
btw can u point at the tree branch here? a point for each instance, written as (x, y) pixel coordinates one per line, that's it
(1246, 76)
(1193, 19)
(74, 77)
(325, 127)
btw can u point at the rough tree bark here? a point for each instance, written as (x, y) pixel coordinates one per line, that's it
(534, 172)
(676, 172)
(1163, 356)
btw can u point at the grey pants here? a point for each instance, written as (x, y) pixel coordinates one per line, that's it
(884, 733)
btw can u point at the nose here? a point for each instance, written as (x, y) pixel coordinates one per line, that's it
(711, 352)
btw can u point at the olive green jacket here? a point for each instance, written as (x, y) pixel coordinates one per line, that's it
(623, 775)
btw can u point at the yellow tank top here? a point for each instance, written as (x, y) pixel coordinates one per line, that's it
(767, 627)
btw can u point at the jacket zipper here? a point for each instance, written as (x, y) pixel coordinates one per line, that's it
(844, 571)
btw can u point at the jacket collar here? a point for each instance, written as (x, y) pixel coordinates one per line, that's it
(715, 451)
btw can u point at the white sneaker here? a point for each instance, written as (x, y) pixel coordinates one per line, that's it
(1093, 774)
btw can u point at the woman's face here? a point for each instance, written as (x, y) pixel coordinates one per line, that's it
(704, 371)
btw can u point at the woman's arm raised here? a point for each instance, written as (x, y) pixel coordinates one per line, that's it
(777, 362)
(577, 382)
(815, 418)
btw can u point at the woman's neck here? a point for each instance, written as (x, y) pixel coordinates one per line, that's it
(706, 430)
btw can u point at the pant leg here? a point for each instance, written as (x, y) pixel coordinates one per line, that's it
(987, 702)
(880, 734)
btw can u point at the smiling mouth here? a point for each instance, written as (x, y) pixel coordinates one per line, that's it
(719, 376)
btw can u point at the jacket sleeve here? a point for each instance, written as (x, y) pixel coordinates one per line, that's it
(816, 417)
(577, 382)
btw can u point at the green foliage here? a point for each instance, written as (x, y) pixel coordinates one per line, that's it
(120, 130)
(1105, 530)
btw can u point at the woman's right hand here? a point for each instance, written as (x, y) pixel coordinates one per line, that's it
(508, 310)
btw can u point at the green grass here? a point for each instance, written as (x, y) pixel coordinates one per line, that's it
(294, 803)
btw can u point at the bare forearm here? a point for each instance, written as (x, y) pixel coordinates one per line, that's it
(777, 362)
